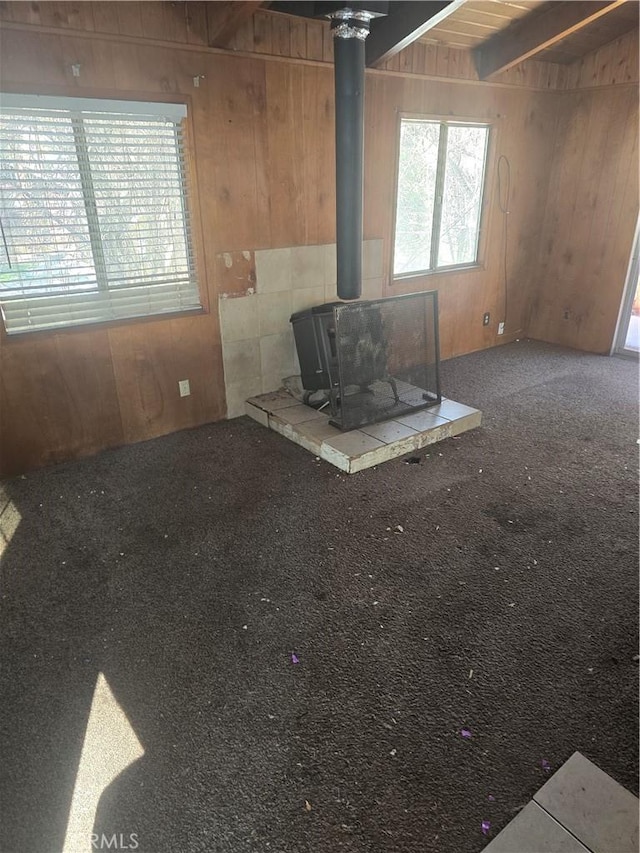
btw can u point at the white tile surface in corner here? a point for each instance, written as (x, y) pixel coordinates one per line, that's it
(273, 270)
(238, 318)
(256, 413)
(534, 831)
(450, 410)
(353, 443)
(422, 420)
(354, 450)
(306, 297)
(276, 353)
(241, 361)
(237, 393)
(273, 402)
(299, 414)
(372, 288)
(592, 805)
(271, 382)
(389, 431)
(330, 267)
(307, 266)
(372, 259)
(274, 311)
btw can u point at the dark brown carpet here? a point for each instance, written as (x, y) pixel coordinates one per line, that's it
(518, 561)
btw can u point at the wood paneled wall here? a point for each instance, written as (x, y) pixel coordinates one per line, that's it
(592, 203)
(263, 159)
(440, 60)
(283, 35)
(180, 22)
(268, 33)
(274, 34)
(523, 130)
(262, 135)
(590, 218)
(610, 65)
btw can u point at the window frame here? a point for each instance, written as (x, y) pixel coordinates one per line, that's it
(446, 121)
(192, 201)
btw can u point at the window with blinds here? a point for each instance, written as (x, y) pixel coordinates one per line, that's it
(93, 212)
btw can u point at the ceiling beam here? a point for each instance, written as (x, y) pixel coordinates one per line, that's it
(405, 23)
(225, 19)
(531, 35)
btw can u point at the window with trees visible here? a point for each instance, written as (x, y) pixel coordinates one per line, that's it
(94, 212)
(441, 172)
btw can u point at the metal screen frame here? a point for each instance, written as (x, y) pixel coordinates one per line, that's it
(337, 394)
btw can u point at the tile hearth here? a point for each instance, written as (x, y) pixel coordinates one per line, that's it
(361, 448)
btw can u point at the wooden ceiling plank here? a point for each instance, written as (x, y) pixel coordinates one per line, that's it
(472, 15)
(502, 10)
(450, 39)
(405, 23)
(225, 19)
(601, 32)
(481, 19)
(525, 6)
(526, 39)
(444, 33)
(481, 31)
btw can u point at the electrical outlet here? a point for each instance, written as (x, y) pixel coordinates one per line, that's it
(501, 328)
(486, 318)
(185, 388)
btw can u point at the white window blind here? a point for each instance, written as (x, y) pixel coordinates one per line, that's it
(94, 214)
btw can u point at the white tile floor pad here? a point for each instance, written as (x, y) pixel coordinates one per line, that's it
(358, 449)
(579, 810)
(580, 792)
(535, 831)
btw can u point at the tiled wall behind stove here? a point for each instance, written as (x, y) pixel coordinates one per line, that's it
(257, 339)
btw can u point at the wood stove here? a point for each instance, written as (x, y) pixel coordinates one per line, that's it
(374, 360)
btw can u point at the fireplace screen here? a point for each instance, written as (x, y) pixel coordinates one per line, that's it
(376, 360)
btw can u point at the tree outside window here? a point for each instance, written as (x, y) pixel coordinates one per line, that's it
(441, 173)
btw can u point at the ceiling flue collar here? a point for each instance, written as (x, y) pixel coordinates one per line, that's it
(350, 23)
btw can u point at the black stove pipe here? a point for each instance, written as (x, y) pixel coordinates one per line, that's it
(349, 83)
(349, 29)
